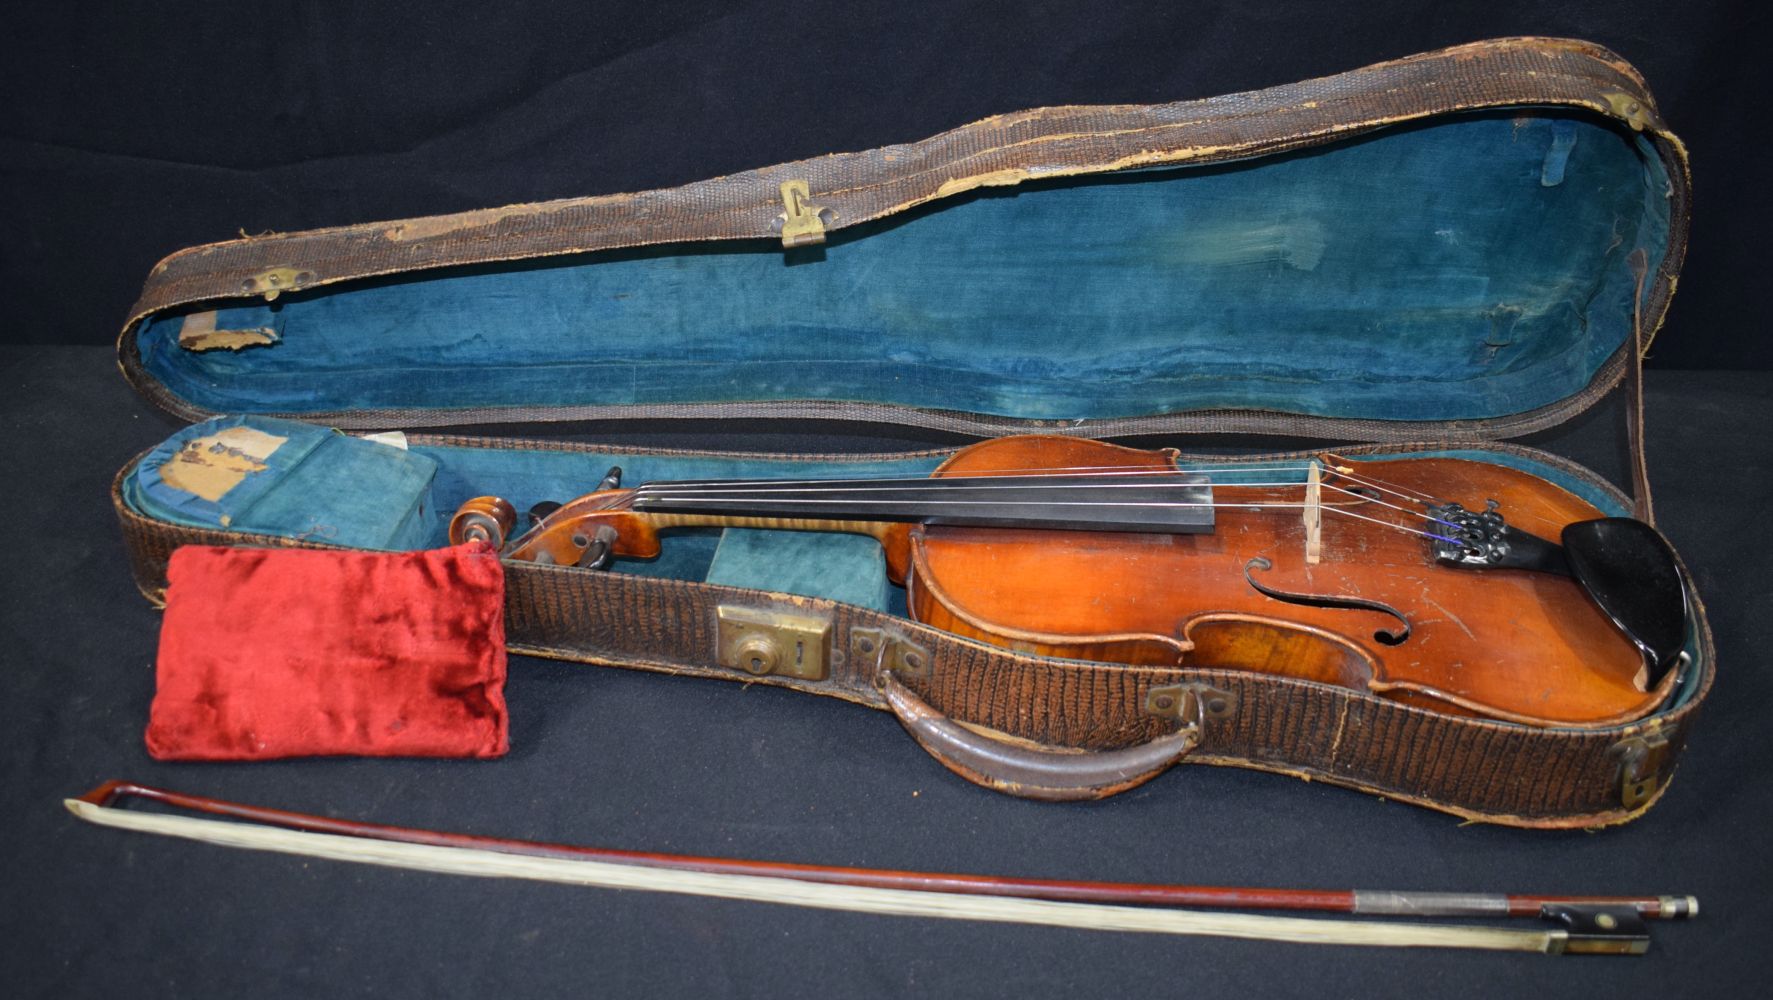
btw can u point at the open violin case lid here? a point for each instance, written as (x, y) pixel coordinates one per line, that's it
(1426, 257)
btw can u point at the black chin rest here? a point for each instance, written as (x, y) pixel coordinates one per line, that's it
(1630, 571)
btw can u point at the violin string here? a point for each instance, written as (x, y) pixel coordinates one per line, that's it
(1333, 464)
(938, 485)
(1413, 496)
(1386, 503)
(1399, 527)
(1517, 513)
(1064, 503)
(1103, 470)
(682, 496)
(1416, 496)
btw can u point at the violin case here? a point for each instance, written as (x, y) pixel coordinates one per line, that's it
(1432, 256)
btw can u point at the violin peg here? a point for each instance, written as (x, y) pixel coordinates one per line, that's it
(600, 551)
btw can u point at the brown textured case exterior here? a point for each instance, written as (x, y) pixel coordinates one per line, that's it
(1480, 770)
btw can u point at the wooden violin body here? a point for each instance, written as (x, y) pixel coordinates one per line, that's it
(1509, 644)
(1356, 599)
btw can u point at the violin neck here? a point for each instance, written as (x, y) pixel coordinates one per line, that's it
(1181, 503)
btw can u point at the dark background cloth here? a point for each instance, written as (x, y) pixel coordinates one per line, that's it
(130, 131)
(656, 763)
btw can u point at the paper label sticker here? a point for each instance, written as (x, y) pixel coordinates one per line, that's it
(212, 465)
(199, 333)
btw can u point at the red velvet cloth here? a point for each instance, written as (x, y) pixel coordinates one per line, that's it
(270, 653)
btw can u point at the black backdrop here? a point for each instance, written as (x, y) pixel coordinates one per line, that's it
(131, 130)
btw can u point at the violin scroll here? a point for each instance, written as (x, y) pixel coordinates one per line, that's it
(484, 519)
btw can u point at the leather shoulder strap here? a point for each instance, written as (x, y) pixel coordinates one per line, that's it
(1634, 376)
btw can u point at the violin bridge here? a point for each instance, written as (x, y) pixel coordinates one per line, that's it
(1313, 513)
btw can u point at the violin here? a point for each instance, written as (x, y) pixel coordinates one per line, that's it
(1460, 586)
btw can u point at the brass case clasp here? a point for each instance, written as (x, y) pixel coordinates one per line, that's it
(803, 223)
(763, 642)
(1641, 760)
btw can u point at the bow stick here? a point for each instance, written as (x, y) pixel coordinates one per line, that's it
(1588, 924)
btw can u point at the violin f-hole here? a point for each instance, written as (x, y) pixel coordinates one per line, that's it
(1388, 637)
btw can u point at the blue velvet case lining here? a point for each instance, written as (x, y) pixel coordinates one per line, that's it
(1467, 268)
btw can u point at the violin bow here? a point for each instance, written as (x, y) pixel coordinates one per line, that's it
(1584, 924)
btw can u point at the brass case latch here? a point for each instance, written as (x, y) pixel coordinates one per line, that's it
(1641, 760)
(764, 642)
(803, 223)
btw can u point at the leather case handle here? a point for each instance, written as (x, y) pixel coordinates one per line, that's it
(1024, 769)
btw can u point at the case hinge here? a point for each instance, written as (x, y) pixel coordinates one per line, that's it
(1628, 108)
(1189, 702)
(275, 281)
(1641, 760)
(802, 222)
(888, 653)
